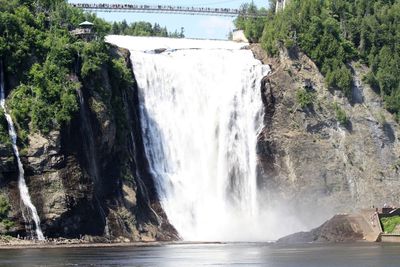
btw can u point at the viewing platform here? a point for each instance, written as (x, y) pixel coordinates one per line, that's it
(85, 31)
(374, 216)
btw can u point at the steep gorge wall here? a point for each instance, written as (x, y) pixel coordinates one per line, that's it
(309, 164)
(91, 178)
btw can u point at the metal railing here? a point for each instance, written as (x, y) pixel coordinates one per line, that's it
(228, 12)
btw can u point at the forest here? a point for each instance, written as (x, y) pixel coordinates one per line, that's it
(335, 33)
(45, 64)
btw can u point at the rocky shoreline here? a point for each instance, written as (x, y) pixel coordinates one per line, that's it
(342, 228)
(73, 244)
(8, 242)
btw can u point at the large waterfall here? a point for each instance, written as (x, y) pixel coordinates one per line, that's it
(31, 213)
(201, 111)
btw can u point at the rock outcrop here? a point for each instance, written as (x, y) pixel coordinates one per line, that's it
(91, 178)
(341, 228)
(311, 164)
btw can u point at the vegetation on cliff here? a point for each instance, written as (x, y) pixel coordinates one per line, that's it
(4, 137)
(46, 64)
(37, 49)
(304, 97)
(334, 33)
(4, 210)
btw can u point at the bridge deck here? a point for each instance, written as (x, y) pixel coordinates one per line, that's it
(229, 12)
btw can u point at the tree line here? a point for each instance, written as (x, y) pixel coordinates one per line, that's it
(45, 64)
(143, 28)
(334, 33)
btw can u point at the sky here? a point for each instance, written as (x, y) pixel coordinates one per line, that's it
(195, 26)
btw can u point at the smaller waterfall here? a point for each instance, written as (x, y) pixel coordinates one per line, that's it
(90, 153)
(23, 189)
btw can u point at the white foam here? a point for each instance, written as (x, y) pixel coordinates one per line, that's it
(152, 43)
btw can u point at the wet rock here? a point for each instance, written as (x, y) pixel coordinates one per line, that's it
(159, 50)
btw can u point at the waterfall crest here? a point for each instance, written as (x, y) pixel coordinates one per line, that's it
(201, 111)
(23, 189)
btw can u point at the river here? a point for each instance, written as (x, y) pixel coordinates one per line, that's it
(229, 254)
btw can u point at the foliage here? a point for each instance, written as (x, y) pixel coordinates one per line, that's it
(38, 52)
(4, 208)
(390, 223)
(121, 73)
(93, 56)
(335, 32)
(304, 98)
(310, 25)
(177, 34)
(4, 136)
(143, 28)
(47, 62)
(252, 26)
(48, 98)
(121, 80)
(341, 115)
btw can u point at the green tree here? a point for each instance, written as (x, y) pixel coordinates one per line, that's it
(248, 22)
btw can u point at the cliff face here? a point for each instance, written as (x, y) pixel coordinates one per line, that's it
(91, 177)
(312, 163)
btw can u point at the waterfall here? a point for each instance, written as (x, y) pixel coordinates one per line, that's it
(201, 111)
(23, 189)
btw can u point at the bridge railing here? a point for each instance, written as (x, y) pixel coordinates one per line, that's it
(164, 9)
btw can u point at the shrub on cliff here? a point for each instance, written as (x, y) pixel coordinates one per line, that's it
(304, 98)
(341, 115)
(93, 57)
(4, 137)
(4, 208)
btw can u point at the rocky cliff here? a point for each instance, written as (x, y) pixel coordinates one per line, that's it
(317, 155)
(329, 154)
(91, 177)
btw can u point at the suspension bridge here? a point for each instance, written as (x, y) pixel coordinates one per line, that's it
(207, 11)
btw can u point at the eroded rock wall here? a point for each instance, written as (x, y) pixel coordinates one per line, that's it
(310, 164)
(91, 177)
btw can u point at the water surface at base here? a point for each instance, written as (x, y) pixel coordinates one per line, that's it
(239, 254)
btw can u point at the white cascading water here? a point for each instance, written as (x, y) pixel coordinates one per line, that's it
(201, 111)
(23, 189)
